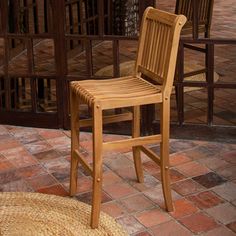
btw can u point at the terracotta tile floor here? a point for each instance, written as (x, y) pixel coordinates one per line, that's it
(203, 181)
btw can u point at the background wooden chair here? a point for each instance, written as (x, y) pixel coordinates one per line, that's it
(156, 59)
(196, 26)
(204, 16)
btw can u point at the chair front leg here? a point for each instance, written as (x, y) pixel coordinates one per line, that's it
(97, 165)
(74, 110)
(136, 150)
(164, 153)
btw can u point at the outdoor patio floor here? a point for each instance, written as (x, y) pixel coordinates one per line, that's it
(203, 176)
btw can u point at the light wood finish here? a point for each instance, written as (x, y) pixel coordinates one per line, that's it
(108, 119)
(156, 58)
(136, 141)
(136, 149)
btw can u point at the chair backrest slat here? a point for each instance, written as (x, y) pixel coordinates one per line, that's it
(158, 44)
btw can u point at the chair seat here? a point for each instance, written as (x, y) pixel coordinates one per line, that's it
(118, 92)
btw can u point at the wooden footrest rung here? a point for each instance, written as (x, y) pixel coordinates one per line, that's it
(108, 119)
(84, 163)
(132, 142)
(152, 155)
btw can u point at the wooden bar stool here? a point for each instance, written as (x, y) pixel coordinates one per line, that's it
(198, 24)
(156, 59)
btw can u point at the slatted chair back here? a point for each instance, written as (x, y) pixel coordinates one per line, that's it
(158, 44)
(205, 8)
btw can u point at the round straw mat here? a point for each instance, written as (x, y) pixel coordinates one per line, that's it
(41, 214)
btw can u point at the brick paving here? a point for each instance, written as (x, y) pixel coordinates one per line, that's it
(204, 193)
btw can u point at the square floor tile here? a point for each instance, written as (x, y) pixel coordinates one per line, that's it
(214, 163)
(119, 190)
(198, 153)
(50, 133)
(37, 147)
(181, 145)
(119, 161)
(149, 183)
(55, 190)
(136, 203)
(183, 207)
(226, 191)
(114, 209)
(110, 177)
(225, 213)
(152, 217)
(84, 184)
(8, 176)
(175, 176)
(16, 186)
(199, 223)
(205, 200)
(219, 231)
(192, 168)
(19, 157)
(170, 228)
(29, 138)
(3, 130)
(87, 197)
(62, 174)
(46, 155)
(187, 187)
(178, 159)
(228, 172)
(130, 224)
(230, 157)
(7, 142)
(41, 181)
(209, 180)
(232, 226)
(151, 167)
(127, 173)
(31, 171)
(156, 195)
(5, 165)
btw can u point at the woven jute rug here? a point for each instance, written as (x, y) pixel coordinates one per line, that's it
(41, 214)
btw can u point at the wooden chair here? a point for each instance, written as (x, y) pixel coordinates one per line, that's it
(204, 18)
(205, 9)
(156, 58)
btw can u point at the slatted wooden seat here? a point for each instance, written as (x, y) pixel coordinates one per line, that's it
(156, 59)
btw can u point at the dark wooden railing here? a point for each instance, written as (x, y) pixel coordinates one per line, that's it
(72, 27)
(180, 83)
(70, 37)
